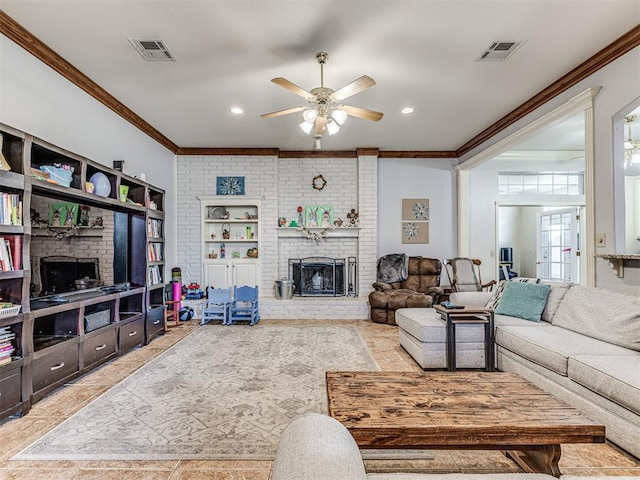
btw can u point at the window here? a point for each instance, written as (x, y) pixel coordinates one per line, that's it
(540, 183)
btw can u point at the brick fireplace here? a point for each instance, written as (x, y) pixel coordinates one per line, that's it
(284, 184)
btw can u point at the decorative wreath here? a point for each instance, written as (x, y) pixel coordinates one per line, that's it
(319, 182)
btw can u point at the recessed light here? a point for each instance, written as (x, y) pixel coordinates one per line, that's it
(236, 110)
(407, 110)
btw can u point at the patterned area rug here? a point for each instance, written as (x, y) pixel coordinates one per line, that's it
(221, 393)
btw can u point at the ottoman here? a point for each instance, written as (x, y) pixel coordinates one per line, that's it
(423, 334)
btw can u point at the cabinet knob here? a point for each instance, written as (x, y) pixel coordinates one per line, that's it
(135, 332)
(57, 367)
(101, 347)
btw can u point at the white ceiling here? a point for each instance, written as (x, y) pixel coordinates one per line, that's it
(422, 53)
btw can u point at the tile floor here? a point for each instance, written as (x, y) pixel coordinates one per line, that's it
(17, 433)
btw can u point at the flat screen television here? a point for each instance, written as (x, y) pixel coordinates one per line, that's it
(59, 274)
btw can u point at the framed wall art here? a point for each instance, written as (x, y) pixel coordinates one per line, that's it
(229, 185)
(318, 216)
(415, 232)
(416, 209)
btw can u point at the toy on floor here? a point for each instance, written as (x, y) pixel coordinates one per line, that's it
(194, 292)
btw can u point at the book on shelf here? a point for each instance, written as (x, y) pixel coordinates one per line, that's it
(5, 360)
(153, 274)
(154, 228)
(5, 337)
(11, 211)
(5, 266)
(11, 253)
(155, 252)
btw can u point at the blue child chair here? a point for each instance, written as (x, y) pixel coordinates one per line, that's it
(245, 305)
(218, 305)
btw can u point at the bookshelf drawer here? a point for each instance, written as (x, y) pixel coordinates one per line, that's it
(10, 389)
(155, 322)
(51, 368)
(131, 334)
(99, 347)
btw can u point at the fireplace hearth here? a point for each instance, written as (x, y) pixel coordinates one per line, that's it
(323, 276)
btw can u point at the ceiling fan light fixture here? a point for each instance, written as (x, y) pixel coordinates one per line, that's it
(333, 127)
(339, 116)
(309, 115)
(631, 146)
(306, 127)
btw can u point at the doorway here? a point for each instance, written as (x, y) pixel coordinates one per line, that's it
(544, 241)
(558, 245)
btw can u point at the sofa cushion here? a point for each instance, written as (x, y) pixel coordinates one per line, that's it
(613, 317)
(551, 346)
(556, 294)
(523, 300)
(426, 326)
(612, 376)
(478, 299)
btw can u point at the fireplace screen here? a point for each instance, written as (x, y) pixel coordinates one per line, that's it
(321, 277)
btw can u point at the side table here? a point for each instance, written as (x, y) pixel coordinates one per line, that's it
(468, 315)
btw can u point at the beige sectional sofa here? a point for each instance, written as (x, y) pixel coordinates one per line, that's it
(585, 351)
(318, 447)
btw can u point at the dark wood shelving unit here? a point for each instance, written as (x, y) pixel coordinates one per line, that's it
(56, 342)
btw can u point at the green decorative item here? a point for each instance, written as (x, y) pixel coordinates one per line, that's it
(318, 216)
(63, 214)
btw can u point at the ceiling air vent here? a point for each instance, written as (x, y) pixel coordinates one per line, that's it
(152, 50)
(499, 51)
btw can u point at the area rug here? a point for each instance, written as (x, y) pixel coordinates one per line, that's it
(220, 393)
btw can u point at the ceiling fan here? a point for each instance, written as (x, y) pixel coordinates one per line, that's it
(324, 113)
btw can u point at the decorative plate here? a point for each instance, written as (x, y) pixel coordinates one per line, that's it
(216, 213)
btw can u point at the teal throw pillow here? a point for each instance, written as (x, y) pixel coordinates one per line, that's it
(523, 300)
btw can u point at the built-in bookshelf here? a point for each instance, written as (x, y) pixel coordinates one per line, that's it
(46, 341)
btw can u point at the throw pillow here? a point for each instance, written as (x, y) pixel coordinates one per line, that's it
(497, 294)
(523, 300)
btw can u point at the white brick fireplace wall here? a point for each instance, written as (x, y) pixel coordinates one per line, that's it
(283, 184)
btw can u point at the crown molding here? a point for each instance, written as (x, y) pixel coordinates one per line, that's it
(417, 154)
(25, 39)
(264, 152)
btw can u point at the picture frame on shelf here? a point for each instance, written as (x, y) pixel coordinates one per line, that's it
(320, 216)
(63, 214)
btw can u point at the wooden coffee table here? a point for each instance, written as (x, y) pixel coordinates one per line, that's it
(459, 410)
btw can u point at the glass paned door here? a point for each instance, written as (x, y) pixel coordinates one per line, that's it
(559, 245)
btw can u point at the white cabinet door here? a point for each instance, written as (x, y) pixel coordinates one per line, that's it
(244, 273)
(217, 274)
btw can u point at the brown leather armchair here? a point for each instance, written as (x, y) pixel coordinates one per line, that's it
(420, 290)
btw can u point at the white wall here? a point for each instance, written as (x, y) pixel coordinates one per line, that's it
(620, 82)
(38, 101)
(417, 178)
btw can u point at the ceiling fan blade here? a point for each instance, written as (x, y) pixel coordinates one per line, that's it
(321, 125)
(283, 112)
(283, 82)
(362, 112)
(354, 87)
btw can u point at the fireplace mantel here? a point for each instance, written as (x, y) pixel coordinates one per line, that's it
(338, 232)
